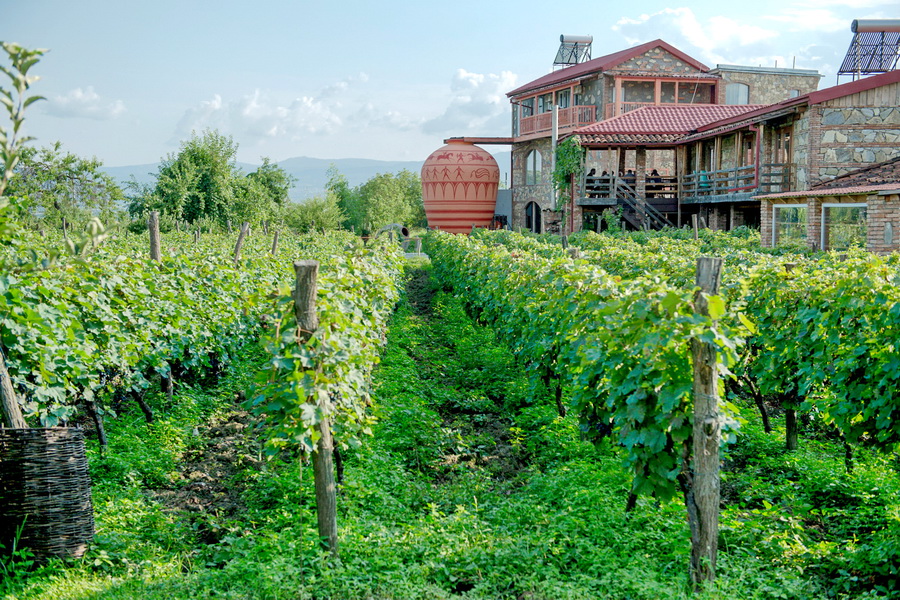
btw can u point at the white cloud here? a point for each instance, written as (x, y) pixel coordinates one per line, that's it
(477, 102)
(84, 103)
(257, 116)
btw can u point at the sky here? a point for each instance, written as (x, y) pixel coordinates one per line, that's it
(127, 81)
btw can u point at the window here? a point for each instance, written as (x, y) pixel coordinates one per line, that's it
(793, 93)
(545, 103)
(533, 168)
(737, 93)
(527, 106)
(533, 217)
(843, 226)
(562, 99)
(782, 154)
(789, 224)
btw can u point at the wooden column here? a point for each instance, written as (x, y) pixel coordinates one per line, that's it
(706, 435)
(307, 272)
(640, 182)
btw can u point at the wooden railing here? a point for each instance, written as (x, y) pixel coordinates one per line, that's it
(625, 107)
(568, 118)
(774, 177)
(637, 210)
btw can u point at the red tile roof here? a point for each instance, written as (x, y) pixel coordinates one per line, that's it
(603, 63)
(852, 190)
(665, 123)
(880, 177)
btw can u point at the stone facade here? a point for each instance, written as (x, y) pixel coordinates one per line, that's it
(853, 137)
(654, 62)
(541, 193)
(767, 86)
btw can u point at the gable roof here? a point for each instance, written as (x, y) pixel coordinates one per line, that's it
(664, 123)
(603, 63)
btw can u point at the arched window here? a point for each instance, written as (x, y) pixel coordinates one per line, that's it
(533, 217)
(737, 93)
(533, 168)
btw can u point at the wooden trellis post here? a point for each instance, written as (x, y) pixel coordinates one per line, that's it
(323, 456)
(153, 226)
(245, 229)
(12, 414)
(702, 495)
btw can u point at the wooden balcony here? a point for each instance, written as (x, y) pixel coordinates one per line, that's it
(568, 119)
(730, 185)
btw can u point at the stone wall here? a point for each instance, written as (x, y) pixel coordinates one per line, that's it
(523, 194)
(849, 138)
(657, 61)
(768, 86)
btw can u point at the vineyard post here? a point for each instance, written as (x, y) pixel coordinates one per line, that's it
(197, 236)
(65, 229)
(12, 414)
(704, 489)
(153, 226)
(323, 463)
(418, 245)
(695, 219)
(791, 427)
(245, 229)
(275, 242)
(565, 242)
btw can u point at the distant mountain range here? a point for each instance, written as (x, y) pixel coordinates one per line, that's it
(310, 173)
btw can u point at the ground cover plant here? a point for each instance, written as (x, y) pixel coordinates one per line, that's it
(472, 486)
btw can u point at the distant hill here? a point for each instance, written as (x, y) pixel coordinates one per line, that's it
(311, 173)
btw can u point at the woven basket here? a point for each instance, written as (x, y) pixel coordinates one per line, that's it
(44, 482)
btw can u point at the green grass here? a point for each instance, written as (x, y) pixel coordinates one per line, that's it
(471, 487)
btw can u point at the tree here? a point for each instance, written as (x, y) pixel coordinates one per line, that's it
(384, 199)
(319, 212)
(276, 181)
(51, 184)
(196, 183)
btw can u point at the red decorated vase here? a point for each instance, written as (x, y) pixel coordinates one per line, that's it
(459, 187)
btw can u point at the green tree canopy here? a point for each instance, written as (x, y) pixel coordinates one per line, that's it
(384, 199)
(319, 212)
(51, 184)
(203, 183)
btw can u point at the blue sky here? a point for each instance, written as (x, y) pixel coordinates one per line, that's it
(126, 80)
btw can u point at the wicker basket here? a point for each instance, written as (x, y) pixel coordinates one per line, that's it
(44, 482)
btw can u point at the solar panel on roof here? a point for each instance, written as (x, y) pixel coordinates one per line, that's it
(875, 48)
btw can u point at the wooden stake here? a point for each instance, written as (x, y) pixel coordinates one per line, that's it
(245, 229)
(702, 499)
(9, 402)
(695, 221)
(323, 456)
(153, 226)
(275, 242)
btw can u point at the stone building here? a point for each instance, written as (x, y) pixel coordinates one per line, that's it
(559, 103)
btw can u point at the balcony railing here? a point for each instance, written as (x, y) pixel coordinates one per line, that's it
(568, 118)
(610, 110)
(773, 177)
